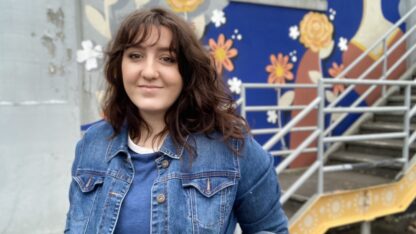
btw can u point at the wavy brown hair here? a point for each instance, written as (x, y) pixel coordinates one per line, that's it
(204, 104)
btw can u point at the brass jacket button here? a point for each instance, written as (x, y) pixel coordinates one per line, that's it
(161, 198)
(165, 163)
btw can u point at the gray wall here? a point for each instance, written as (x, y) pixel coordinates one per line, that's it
(39, 113)
(404, 7)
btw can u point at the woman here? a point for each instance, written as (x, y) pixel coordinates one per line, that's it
(172, 155)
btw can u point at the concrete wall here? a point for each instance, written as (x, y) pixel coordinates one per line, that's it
(404, 7)
(39, 113)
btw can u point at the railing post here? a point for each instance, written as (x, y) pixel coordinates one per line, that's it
(321, 127)
(406, 125)
(243, 98)
(383, 89)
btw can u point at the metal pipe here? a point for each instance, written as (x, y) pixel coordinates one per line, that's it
(321, 127)
(370, 48)
(282, 165)
(286, 152)
(370, 82)
(412, 138)
(353, 166)
(265, 86)
(365, 109)
(275, 130)
(383, 75)
(365, 137)
(272, 141)
(400, 60)
(267, 108)
(412, 112)
(368, 70)
(295, 186)
(243, 101)
(406, 126)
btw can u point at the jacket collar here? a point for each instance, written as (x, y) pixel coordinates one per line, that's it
(118, 144)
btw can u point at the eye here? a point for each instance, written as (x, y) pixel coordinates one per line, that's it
(135, 56)
(168, 59)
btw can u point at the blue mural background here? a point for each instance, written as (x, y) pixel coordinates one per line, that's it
(265, 31)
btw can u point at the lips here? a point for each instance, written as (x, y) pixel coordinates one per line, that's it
(150, 86)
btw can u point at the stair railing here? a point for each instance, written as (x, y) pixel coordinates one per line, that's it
(279, 132)
(383, 59)
(406, 108)
(320, 132)
(289, 127)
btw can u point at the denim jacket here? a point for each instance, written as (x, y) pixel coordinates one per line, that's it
(208, 194)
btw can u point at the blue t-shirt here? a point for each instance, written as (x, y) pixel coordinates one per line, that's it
(135, 214)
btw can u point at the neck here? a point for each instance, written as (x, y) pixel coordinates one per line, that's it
(156, 125)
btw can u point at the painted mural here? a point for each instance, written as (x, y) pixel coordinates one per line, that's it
(262, 44)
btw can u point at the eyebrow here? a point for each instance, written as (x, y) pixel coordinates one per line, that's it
(161, 49)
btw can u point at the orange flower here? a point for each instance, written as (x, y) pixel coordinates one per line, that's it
(222, 53)
(184, 5)
(316, 31)
(279, 69)
(334, 71)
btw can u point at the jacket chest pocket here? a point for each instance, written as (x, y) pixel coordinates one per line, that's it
(86, 186)
(209, 199)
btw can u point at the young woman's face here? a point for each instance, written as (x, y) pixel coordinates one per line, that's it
(151, 75)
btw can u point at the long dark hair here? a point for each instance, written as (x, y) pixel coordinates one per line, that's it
(204, 104)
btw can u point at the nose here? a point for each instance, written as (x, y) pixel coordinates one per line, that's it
(150, 70)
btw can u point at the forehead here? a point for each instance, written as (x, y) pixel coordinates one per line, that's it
(153, 35)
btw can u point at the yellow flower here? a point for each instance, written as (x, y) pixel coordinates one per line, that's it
(334, 71)
(184, 5)
(222, 53)
(279, 69)
(316, 31)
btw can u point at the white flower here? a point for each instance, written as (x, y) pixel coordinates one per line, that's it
(294, 58)
(235, 85)
(89, 55)
(332, 17)
(239, 37)
(343, 44)
(218, 18)
(294, 32)
(272, 116)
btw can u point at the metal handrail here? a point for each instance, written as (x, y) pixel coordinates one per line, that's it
(372, 67)
(369, 90)
(374, 45)
(319, 103)
(272, 141)
(405, 108)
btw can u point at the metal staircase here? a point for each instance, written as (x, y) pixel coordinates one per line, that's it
(370, 163)
(366, 173)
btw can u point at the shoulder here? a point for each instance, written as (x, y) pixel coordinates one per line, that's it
(98, 131)
(91, 148)
(253, 159)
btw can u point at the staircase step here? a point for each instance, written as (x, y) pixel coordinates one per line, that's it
(402, 90)
(379, 165)
(382, 127)
(354, 157)
(333, 181)
(292, 206)
(391, 117)
(400, 97)
(379, 147)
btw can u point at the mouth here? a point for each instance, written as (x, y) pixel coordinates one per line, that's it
(150, 87)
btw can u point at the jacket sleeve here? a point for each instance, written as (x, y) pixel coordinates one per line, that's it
(257, 205)
(69, 226)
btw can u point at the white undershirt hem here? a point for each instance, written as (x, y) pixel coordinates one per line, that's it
(137, 148)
